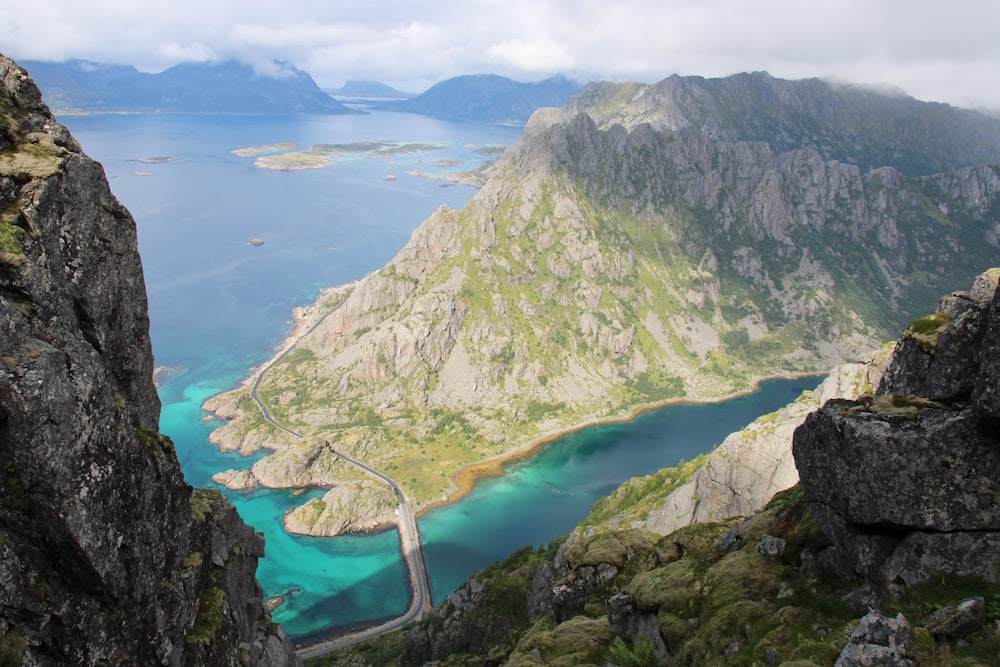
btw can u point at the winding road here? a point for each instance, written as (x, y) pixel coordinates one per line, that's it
(421, 601)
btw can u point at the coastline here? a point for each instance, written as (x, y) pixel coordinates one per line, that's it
(303, 319)
(466, 478)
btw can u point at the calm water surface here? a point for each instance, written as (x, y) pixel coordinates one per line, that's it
(219, 306)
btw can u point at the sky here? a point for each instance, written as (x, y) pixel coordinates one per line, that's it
(932, 50)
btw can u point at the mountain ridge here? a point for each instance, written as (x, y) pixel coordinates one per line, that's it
(367, 89)
(841, 122)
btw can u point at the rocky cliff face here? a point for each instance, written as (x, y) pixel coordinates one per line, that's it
(108, 556)
(904, 481)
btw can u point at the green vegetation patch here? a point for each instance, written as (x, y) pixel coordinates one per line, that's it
(927, 330)
(905, 406)
(194, 560)
(636, 497)
(155, 443)
(9, 243)
(12, 646)
(31, 160)
(202, 501)
(609, 547)
(208, 621)
(309, 513)
(578, 641)
(640, 654)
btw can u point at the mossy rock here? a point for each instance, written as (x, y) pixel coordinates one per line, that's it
(698, 540)
(675, 629)
(927, 330)
(739, 576)
(202, 502)
(673, 588)
(717, 631)
(12, 647)
(208, 621)
(611, 547)
(578, 641)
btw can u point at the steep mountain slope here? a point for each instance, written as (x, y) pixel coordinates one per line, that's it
(489, 98)
(846, 123)
(108, 556)
(224, 87)
(600, 270)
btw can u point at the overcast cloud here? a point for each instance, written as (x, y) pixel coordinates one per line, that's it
(947, 52)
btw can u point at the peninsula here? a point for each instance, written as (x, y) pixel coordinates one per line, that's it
(609, 266)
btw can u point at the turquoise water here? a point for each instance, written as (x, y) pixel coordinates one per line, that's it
(219, 306)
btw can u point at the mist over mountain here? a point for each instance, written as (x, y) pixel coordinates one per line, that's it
(224, 87)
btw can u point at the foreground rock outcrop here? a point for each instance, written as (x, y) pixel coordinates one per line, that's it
(106, 555)
(904, 481)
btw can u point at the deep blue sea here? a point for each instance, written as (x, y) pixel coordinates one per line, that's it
(219, 306)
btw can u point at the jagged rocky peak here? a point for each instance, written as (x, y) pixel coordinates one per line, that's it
(903, 481)
(851, 124)
(108, 556)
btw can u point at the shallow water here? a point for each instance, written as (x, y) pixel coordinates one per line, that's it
(219, 306)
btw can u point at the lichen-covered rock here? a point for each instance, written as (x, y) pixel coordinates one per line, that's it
(939, 356)
(957, 620)
(878, 641)
(987, 390)
(904, 486)
(632, 626)
(108, 556)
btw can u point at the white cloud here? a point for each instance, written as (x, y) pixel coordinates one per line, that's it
(538, 56)
(196, 52)
(946, 52)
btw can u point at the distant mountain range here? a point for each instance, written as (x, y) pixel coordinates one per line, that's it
(232, 87)
(489, 98)
(369, 89)
(226, 87)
